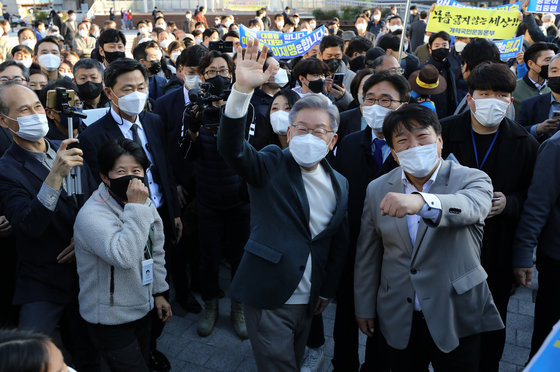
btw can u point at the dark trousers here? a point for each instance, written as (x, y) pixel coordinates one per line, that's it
(45, 316)
(547, 311)
(492, 343)
(125, 347)
(317, 332)
(10, 312)
(220, 231)
(422, 350)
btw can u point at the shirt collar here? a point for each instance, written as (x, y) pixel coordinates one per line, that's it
(186, 94)
(537, 85)
(122, 121)
(428, 183)
(41, 155)
(552, 100)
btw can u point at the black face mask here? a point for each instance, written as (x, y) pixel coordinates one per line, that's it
(120, 185)
(333, 63)
(219, 84)
(544, 72)
(440, 54)
(316, 86)
(90, 90)
(554, 84)
(155, 67)
(331, 31)
(113, 56)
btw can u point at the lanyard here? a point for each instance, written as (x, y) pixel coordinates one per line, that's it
(487, 152)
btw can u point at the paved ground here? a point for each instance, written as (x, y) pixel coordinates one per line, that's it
(223, 351)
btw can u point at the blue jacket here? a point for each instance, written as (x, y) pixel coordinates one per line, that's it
(157, 83)
(106, 129)
(41, 234)
(280, 241)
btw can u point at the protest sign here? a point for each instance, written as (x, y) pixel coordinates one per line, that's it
(246, 5)
(546, 359)
(509, 48)
(544, 6)
(283, 45)
(512, 6)
(474, 22)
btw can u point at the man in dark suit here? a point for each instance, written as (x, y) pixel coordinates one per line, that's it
(69, 28)
(362, 157)
(537, 113)
(284, 278)
(485, 138)
(418, 30)
(126, 85)
(34, 198)
(170, 108)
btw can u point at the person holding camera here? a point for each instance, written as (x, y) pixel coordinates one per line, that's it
(223, 206)
(119, 251)
(34, 198)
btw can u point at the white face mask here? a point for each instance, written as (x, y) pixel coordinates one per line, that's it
(375, 115)
(72, 17)
(394, 28)
(143, 30)
(419, 161)
(67, 74)
(83, 33)
(163, 26)
(32, 127)
(25, 62)
(165, 43)
(49, 62)
(426, 39)
(133, 103)
(29, 43)
(490, 111)
(279, 121)
(227, 23)
(281, 77)
(459, 46)
(361, 27)
(175, 55)
(308, 150)
(192, 81)
(377, 17)
(197, 40)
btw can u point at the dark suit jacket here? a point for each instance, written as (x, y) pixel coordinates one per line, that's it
(350, 122)
(511, 173)
(106, 129)
(5, 140)
(69, 30)
(280, 241)
(533, 111)
(417, 31)
(41, 234)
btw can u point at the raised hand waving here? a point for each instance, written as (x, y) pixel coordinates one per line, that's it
(249, 73)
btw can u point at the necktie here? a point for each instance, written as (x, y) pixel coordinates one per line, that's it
(377, 152)
(135, 136)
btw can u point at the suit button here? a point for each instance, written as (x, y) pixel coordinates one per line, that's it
(409, 300)
(302, 268)
(413, 271)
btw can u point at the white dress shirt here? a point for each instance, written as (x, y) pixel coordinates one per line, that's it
(431, 210)
(125, 127)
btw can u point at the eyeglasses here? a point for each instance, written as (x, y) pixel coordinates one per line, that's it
(384, 102)
(214, 73)
(300, 130)
(396, 70)
(17, 79)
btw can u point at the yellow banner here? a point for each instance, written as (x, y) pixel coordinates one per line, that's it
(474, 22)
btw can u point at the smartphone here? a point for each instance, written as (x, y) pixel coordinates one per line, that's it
(555, 114)
(495, 199)
(221, 46)
(338, 78)
(55, 98)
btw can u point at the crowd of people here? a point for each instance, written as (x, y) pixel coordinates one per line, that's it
(409, 185)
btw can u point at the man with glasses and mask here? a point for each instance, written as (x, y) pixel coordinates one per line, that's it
(126, 85)
(428, 294)
(484, 138)
(34, 198)
(283, 279)
(361, 157)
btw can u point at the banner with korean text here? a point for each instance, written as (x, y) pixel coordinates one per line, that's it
(512, 6)
(544, 6)
(474, 22)
(509, 48)
(283, 45)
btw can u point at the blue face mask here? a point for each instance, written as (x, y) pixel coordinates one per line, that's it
(76, 121)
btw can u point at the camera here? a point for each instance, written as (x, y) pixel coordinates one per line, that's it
(201, 106)
(221, 46)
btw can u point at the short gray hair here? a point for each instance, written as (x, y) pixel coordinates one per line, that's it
(556, 56)
(4, 108)
(317, 102)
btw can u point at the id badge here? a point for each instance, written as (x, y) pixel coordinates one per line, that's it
(147, 272)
